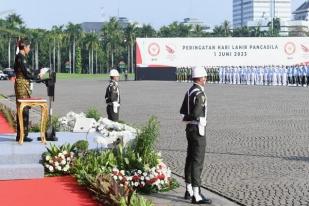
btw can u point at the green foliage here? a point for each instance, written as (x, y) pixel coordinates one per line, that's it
(54, 150)
(95, 169)
(145, 143)
(108, 51)
(92, 164)
(81, 146)
(54, 122)
(137, 200)
(132, 160)
(93, 113)
(141, 154)
(78, 60)
(108, 192)
(34, 128)
(173, 184)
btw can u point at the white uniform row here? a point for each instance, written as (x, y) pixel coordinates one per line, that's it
(266, 75)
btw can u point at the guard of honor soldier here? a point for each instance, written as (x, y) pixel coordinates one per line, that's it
(183, 74)
(194, 111)
(267, 75)
(112, 97)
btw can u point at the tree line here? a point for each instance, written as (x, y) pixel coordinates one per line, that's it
(67, 48)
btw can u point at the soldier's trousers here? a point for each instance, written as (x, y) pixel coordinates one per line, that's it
(303, 80)
(195, 155)
(26, 123)
(111, 115)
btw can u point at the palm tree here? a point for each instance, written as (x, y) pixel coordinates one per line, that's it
(92, 44)
(14, 23)
(130, 34)
(112, 36)
(197, 31)
(74, 32)
(164, 32)
(57, 33)
(218, 31)
(226, 26)
(36, 36)
(175, 29)
(241, 32)
(146, 31)
(274, 27)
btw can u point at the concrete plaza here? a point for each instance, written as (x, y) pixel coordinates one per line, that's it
(257, 137)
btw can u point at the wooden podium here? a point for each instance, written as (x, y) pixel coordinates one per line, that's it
(32, 102)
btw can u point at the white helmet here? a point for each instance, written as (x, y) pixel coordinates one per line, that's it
(198, 72)
(114, 73)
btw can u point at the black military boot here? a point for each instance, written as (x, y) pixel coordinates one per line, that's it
(202, 201)
(187, 196)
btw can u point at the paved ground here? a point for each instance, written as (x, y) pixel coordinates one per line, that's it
(175, 197)
(257, 137)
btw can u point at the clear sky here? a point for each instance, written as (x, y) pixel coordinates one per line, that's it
(46, 13)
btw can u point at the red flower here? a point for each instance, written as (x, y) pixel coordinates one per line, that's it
(135, 178)
(161, 177)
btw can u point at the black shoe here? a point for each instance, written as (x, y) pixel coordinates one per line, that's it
(48, 139)
(187, 196)
(202, 201)
(26, 139)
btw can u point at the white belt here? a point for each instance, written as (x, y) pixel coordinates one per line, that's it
(192, 122)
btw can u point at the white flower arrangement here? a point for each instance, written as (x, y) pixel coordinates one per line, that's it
(158, 177)
(108, 130)
(61, 162)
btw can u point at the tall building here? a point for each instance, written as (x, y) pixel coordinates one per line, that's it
(195, 22)
(97, 26)
(302, 12)
(260, 12)
(299, 26)
(92, 26)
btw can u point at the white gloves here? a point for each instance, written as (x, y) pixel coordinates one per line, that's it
(115, 106)
(202, 126)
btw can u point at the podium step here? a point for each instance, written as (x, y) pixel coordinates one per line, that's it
(10, 159)
(21, 171)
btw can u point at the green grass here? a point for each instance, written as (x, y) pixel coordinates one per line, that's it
(66, 76)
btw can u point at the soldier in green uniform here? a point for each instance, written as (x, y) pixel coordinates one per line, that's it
(177, 74)
(22, 84)
(188, 74)
(217, 75)
(126, 74)
(210, 74)
(194, 111)
(213, 70)
(112, 97)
